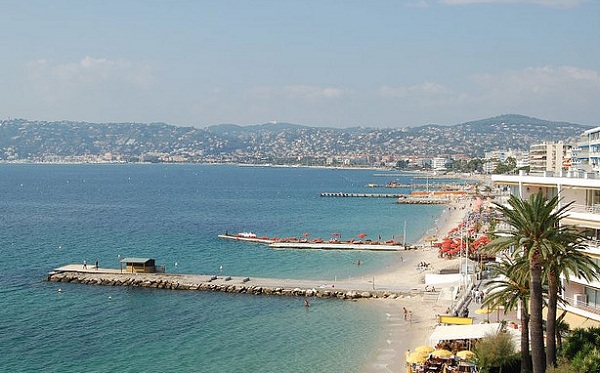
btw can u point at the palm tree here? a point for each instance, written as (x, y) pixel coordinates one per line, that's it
(565, 258)
(534, 232)
(562, 330)
(510, 289)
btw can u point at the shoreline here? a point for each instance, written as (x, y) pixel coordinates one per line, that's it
(400, 335)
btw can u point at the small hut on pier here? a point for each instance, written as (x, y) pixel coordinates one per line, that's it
(138, 265)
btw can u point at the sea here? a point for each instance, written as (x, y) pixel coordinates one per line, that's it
(53, 215)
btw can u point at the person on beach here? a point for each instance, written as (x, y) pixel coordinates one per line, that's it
(405, 313)
(84, 264)
(96, 263)
(410, 316)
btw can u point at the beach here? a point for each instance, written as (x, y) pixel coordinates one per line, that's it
(403, 335)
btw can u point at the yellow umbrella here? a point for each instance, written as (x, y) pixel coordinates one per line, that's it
(483, 311)
(416, 358)
(441, 353)
(424, 349)
(465, 354)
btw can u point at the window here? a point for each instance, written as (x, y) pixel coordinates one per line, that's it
(593, 297)
(593, 197)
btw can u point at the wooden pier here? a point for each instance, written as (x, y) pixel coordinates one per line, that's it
(410, 199)
(362, 195)
(341, 289)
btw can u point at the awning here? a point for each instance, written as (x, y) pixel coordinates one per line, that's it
(452, 332)
(578, 321)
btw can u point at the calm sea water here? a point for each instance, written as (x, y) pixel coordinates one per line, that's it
(51, 215)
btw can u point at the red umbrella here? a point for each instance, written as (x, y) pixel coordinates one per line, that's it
(362, 235)
(335, 234)
(306, 234)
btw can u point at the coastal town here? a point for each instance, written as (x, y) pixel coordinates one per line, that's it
(478, 146)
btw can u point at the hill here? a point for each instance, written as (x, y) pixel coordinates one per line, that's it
(21, 139)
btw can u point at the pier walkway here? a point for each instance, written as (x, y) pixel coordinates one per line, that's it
(363, 195)
(400, 198)
(338, 288)
(366, 245)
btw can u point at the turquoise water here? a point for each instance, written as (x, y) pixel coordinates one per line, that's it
(51, 215)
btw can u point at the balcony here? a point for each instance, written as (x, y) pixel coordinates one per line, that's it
(585, 209)
(579, 306)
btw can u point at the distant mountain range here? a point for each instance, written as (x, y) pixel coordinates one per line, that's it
(21, 139)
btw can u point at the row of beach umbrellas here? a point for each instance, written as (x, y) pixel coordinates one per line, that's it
(421, 354)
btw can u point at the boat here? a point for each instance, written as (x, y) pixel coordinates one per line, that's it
(246, 236)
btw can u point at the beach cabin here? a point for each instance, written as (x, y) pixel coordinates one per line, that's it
(138, 265)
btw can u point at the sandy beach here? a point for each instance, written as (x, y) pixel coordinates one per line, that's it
(402, 335)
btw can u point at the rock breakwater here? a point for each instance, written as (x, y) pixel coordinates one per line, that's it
(240, 285)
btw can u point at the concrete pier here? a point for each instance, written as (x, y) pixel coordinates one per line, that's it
(344, 289)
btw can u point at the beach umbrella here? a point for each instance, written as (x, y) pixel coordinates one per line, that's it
(424, 349)
(483, 311)
(306, 234)
(441, 353)
(362, 235)
(416, 358)
(465, 354)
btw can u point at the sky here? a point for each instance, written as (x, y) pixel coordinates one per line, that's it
(333, 63)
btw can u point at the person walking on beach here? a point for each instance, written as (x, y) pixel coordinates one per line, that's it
(405, 313)
(84, 264)
(410, 316)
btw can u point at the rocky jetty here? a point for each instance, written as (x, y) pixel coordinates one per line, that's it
(240, 285)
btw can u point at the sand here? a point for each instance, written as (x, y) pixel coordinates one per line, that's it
(403, 335)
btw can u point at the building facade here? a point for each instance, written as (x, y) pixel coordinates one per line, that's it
(548, 156)
(583, 190)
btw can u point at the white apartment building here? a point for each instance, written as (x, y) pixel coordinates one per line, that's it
(583, 189)
(547, 156)
(439, 163)
(592, 141)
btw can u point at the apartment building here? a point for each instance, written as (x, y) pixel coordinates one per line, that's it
(592, 142)
(548, 156)
(583, 189)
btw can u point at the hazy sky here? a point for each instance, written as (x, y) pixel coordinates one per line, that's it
(321, 63)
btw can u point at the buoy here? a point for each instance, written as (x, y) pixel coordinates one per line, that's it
(59, 290)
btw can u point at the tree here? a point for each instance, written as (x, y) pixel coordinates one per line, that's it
(534, 234)
(581, 349)
(494, 350)
(508, 166)
(564, 258)
(510, 289)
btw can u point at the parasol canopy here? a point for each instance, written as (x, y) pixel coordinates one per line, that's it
(424, 349)
(416, 358)
(483, 311)
(465, 354)
(362, 235)
(441, 353)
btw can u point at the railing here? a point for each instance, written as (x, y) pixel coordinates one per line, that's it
(585, 209)
(592, 308)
